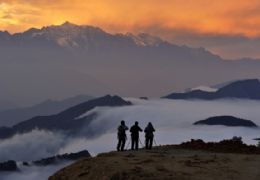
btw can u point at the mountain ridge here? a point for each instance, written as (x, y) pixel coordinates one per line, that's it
(244, 89)
(69, 35)
(79, 60)
(87, 37)
(65, 120)
(13, 116)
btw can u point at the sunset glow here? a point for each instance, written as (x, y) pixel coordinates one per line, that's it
(200, 16)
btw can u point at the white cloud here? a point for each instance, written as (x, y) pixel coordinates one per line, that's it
(172, 119)
(31, 146)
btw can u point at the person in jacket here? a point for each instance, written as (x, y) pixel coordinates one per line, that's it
(135, 129)
(121, 135)
(149, 136)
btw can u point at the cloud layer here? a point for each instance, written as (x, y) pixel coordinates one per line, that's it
(172, 119)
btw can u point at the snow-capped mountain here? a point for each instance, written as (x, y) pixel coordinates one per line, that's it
(68, 59)
(204, 88)
(74, 36)
(144, 39)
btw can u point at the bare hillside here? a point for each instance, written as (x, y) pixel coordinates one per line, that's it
(166, 162)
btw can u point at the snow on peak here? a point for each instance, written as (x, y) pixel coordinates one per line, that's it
(144, 39)
(72, 36)
(69, 35)
(205, 88)
(68, 24)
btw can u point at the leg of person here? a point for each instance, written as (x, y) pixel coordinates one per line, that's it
(123, 144)
(119, 145)
(132, 143)
(136, 144)
(151, 143)
(146, 143)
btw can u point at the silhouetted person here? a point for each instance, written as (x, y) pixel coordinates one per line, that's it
(135, 129)
(149, 136)
(121, 135)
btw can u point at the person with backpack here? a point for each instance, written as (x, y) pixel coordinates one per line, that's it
(149, 136)
(121, 135)
(135, 129)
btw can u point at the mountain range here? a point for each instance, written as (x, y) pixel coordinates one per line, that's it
(13, 116)
(243, 89)
(69, 121)
(59, 61)
(71, 36)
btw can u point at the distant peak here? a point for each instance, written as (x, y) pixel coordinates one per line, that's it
(4, 32)
(248, 81)
(144, 39)
(204, 88)
(67, 23)
(247, 84)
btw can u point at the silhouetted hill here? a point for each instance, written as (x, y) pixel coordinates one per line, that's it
(54, 160)
(8, 166)
(63, 157)
(67, 121)
(226, 121)
(13, 116)
(244, 89)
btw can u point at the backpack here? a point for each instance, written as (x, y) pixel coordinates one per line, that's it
(121, 131)
(149, 132)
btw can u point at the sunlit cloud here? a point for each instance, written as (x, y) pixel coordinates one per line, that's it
(220, 17)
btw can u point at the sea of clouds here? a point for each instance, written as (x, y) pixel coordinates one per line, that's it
(172, 120)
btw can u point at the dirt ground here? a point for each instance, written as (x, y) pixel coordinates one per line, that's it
(162, 163)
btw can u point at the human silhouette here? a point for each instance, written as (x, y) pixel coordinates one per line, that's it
(135, 129)
(149, 136)
(121, 135)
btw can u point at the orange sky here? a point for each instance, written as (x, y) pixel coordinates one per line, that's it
(200, 16)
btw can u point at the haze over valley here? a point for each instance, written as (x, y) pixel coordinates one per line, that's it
(56, 62)
(173, 120)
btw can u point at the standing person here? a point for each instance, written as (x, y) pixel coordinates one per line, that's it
(121, 135)
(149, 136)
(135, 129)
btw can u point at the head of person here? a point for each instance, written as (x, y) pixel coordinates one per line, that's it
(122, 122)
(149, 124)
(136, 123)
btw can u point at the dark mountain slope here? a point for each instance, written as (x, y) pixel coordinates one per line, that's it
(13, 116)
(245, 89)
(67, 120)
(226, 121)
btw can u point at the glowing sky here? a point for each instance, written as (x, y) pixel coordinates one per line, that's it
(222, 16)
(166, 18)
